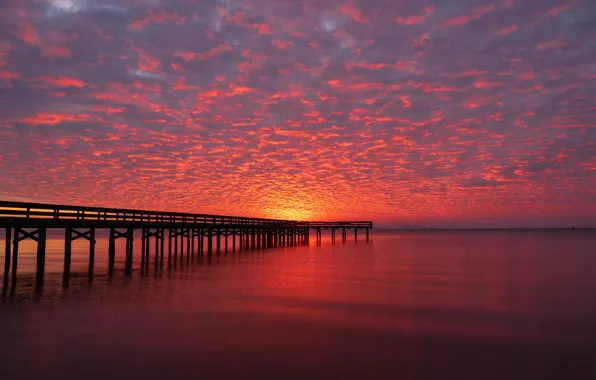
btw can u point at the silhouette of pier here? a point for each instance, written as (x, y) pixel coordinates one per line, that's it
(193, 234)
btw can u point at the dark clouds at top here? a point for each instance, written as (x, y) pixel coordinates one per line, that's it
(458, 113)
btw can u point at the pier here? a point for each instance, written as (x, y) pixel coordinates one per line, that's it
(183, 233)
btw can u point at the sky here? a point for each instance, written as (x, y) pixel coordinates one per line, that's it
(463, 113)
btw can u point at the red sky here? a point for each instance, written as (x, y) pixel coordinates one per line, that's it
(467, 113)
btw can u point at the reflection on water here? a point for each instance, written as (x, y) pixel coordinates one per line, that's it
(413, 305)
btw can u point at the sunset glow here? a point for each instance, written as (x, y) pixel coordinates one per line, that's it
(424, 113)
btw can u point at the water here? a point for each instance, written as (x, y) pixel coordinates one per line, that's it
(409, 305)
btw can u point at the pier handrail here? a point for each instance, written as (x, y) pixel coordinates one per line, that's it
(29, 211)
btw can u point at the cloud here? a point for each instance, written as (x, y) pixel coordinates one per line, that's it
(67, 6)
(60, 7)
(411, 111)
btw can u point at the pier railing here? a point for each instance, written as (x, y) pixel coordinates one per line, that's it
(358, 224)
(24, 213)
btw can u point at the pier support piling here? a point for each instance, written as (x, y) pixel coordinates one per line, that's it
(181, 234)
(188, 245)
(210, 242)
(8, 243)
(91, 250)
(144, 245)
(175, 236)
(129, 249)
(169, 245)
(67, 251)
(201, 243)
(111, 250)
(193, 235)
(157, 235)
(162, 234)
(41, 257)
(15, 254)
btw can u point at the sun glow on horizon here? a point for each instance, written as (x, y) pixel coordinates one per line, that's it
(292, 214)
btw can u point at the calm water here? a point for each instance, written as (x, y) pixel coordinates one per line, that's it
(409, 305)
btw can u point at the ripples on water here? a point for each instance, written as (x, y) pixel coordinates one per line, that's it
(409, 305)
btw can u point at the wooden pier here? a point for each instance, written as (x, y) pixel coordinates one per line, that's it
(193, 234)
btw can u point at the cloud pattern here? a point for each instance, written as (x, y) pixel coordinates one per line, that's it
(447, 113)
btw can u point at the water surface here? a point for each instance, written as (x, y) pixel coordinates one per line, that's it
(408, 305)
